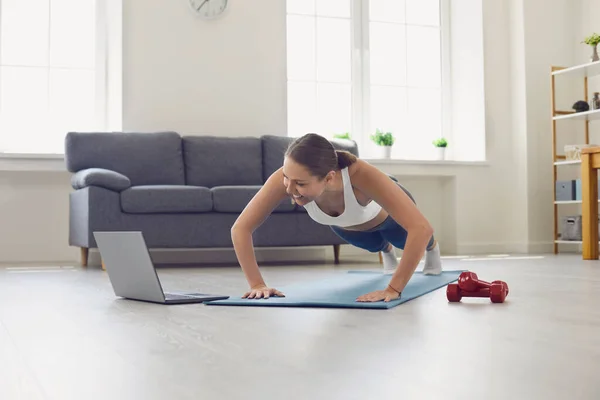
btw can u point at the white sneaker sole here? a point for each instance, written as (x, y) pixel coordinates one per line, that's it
(432, 272)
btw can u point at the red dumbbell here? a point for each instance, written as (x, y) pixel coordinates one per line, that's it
(496, 293)
(469, 282)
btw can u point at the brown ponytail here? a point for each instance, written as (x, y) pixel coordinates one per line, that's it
(345, 158)
(318, 155)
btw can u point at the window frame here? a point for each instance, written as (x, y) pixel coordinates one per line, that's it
(360, 73)
(101, 114)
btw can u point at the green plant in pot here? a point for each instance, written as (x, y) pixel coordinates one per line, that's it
(440, 145)
(593, 40)
(385, 141)
(345, 135)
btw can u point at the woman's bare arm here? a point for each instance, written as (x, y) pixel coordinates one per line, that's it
(379, 187)
(254, 214)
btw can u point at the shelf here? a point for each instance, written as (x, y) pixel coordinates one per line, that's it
(587, 115)
(569, 162)
(570, 202)
(570, 241)
(580, 71)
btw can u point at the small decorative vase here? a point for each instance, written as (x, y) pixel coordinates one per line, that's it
(385, 152)
(595, 56)
(441, 153)
(595, 103)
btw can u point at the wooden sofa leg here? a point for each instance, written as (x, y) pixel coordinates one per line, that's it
(380, 258)
(336, 253)
(85, 252)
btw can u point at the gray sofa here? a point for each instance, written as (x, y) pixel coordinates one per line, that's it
(180, 191)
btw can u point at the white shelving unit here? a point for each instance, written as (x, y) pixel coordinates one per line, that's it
(583, 71)
(579, 71)
(570, 162)
(569, 202)
(587, 115)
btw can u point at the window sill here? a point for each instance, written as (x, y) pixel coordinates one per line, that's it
(56, 162)
(32, 162)
(447, 169)
(382, 161)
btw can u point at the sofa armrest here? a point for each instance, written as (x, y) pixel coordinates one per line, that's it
(100, 177)
(93, 209)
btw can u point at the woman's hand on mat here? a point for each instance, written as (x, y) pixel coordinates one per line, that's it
(386, 295)
(262, 291)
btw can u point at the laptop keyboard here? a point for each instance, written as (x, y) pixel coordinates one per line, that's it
(173, 296)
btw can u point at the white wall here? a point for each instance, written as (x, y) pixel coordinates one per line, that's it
(588, 23)
(550, 40)
(224, 77)
(227, 77)
(34, 215)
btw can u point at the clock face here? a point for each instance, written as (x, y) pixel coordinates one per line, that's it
(208, 9)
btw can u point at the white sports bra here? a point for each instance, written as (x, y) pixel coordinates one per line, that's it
(354, 213)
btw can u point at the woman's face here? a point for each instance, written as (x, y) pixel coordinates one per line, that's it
(300, 184)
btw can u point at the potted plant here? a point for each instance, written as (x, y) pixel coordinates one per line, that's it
(441, 144)
(385, 141)
(345, 135)
(593, 40)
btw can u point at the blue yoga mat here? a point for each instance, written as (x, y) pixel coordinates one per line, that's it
(342, 290)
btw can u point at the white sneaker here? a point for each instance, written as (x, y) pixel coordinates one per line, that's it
(390, 261)
(433, 261)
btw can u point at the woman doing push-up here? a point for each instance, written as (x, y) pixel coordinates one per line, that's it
(363, 206)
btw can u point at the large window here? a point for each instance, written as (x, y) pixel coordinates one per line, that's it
(361, 65)
(50, 73)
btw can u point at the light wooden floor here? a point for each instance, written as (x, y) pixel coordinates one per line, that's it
(64, 335)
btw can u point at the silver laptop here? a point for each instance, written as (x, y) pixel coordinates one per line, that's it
(132, 273)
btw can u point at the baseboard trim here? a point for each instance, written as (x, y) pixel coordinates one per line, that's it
(319, 254)
(543, 247)
(301, 254)
(505, 247)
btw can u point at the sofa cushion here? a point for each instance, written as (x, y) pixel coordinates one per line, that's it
(166, 199)
(153, 158)
(221, 161)
(274, 147)
(236, 198)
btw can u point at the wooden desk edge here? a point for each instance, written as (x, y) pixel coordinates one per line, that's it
(590, 150)
(590, 163)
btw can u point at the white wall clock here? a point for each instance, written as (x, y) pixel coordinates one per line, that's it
(208, 9)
